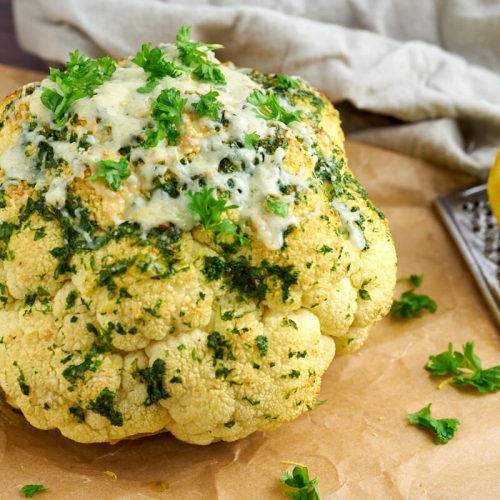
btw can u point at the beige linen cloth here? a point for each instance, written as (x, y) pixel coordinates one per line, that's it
(420, 77)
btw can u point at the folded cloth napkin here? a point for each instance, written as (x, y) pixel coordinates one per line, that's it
(422, 78)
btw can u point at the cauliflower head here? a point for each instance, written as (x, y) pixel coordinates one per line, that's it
(182, 247)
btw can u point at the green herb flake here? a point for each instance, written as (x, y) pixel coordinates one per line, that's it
(465, 369)
(303, 488)
(250, 140)
(279, 208)
(153, 376)
(444, 428)
(262, 345)
(153, 62)
(39, 233)
(30, 489)
(81, 78)
(268, 107)
(208, 105)
(113, 172)
(103, 405)
(411, 305)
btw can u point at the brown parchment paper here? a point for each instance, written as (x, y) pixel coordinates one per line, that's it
(358, 443)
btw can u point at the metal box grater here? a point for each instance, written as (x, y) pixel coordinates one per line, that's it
(474, 228)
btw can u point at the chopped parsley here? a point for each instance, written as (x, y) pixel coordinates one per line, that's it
(113, 172)
(267, 106)
(194, 55)
(251, 140)
(103, 405)
(209, 209)
(411, 304)
(39, 233)
(153, 62)
(25, 388)
(153, 376)
(465, 369)
(443, 428)
(208, 105)
(279, 208)
(75, 372)
(81, 78)
(303, 488)
(167, 112)
(262, 345)
(30, 489)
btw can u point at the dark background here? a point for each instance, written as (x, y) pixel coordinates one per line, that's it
(10, 52)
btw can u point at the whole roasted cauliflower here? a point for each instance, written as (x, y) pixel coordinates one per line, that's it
(182, 246)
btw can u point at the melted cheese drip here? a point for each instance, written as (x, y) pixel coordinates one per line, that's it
(117, 114)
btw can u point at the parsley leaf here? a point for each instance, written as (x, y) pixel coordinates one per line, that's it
(208, 105)
(268, 107)
(251, 140)
(30, 489)
(465, 368)
(81, 78)
(286, 82)
(209, 209)
(411, 305)
(444, 428)
(279, 208)
(307, 489)
(152, 61)
(167, 111)
(194, 54)
(113, 172)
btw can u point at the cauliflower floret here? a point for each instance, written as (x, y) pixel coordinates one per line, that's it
(217, 315)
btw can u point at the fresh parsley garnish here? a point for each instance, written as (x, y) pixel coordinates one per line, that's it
(250, 140)
(286, 82)
(152, 61)
(209, 209)
(268, 107)
(305, 488)
(208, 105)
(113, 172)
(465, 368)
(167, 112)
(411, 304)
(81, 78)
(194, 55)
(444, 428)
(279, 208)
(30, 489)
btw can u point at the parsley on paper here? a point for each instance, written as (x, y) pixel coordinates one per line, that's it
(194, 55)
(208, 105)
(279, 208)
(81, 78)
(411, 304)
(268, 107)
(30, 489)
(167, 111)
(152, 61)
(306, 489)
(113, 172)
(209, 209)
(444, 428)
(465, 368)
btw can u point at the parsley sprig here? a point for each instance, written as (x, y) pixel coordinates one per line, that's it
(209, 209)
(167, 112)
(113, 172)
(444, 428)
(279, 208)
(30, 489)
(465, 369)
(194, 55)
(81, 77)
(152, 61)
(411, 304)
(268, 107)
(208, 105)
(305, 488)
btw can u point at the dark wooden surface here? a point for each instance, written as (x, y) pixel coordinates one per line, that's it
(10, 52)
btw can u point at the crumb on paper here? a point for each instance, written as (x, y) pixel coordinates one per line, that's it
(111, 474)
(158, 486)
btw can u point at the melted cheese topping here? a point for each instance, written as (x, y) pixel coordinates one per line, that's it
(116, 115)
